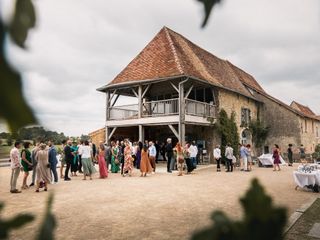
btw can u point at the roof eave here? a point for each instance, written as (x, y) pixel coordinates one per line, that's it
(131, 83)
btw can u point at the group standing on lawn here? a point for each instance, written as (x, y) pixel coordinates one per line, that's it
(121, 156)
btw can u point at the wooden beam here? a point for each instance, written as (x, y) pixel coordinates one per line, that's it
(174, 131)
(141, 133)
(112, 132)
(114, 92)
(145, 91)
(115, 100)
(135, 93)
(140, 108)
(175, 88)
(107, 105)
(189, 91)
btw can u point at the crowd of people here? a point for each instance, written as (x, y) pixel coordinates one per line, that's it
(118, 157)
(80, 157)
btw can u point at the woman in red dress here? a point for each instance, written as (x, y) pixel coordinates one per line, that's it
(276, 158)
(102, 162)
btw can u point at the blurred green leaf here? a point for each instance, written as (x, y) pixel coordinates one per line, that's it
(208, 6)
(16, 222)
(49, 223)
(13, 107)
(261, 221)
(24, 19)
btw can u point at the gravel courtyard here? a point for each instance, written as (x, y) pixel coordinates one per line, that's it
(160, 206)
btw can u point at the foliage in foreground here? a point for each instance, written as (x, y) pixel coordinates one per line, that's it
(261, 220)
(47, 227)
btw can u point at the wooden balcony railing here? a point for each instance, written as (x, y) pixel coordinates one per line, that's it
(161, 108)
(166, 107)
(197, 108)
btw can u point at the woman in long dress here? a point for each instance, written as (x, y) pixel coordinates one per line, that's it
(276, 158)
(86, 159)
(128, 160)
(74, 163)
(115, 163)
(180, 158)
(145, 166)
(138, 154)
(26, 163)
(102, 161)
(43, 167)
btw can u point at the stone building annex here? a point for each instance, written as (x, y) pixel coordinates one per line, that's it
(178, 89)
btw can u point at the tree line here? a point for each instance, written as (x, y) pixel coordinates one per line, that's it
(38, 134)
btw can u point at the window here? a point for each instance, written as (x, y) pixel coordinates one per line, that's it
(245, 117)
(301, 126)
(317, 132)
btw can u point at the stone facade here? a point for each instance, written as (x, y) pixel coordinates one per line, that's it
(234, 102)
(287, 126)
(98, 136)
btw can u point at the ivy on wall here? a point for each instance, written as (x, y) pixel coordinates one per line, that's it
(259, 132)
(227, 128)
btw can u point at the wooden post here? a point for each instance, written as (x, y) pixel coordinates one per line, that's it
(141, 133)
(182, 127)
(107, 105)
(139, 103)
(107, 135)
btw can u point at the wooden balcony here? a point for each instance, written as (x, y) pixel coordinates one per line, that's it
(161, 108)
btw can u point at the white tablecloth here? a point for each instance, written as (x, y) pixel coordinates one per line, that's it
(266, 159)
(304, 179)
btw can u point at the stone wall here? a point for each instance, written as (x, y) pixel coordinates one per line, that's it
(98, 136)
(308, 130)
(233, 102)
(287, 127)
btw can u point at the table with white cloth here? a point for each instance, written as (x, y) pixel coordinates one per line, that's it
(303, 179)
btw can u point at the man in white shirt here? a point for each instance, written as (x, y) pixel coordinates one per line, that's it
(217, 157)
(193, 153)
(15, 167)
(152, 155)
(229, 156)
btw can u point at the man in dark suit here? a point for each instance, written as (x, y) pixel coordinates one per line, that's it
(169, 151)
(69, 158)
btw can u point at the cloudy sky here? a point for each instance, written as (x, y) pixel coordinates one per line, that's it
(80, 45)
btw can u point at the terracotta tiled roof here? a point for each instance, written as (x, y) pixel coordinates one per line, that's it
(170, 54)
(304, 109)
(246, 78)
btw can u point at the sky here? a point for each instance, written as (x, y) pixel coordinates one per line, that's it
(80, 45)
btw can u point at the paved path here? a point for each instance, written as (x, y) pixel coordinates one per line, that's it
(160, 206)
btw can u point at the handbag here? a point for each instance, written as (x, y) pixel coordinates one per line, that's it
(116, 161)
(48, 165)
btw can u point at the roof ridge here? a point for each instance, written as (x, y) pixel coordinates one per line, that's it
(174, 51)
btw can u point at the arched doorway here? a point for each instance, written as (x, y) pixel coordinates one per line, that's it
(246, 137)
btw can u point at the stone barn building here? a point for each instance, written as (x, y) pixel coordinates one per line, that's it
(175, 89)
